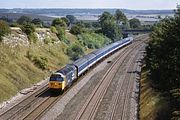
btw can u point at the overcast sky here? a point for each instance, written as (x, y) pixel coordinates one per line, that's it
(128, 4)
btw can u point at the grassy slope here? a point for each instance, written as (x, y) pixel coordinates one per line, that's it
(152, 105)
(18, 72)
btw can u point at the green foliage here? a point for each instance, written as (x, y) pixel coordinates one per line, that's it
(19, 72)
(4, 29)
(93, 40)
(175, 103)
(72, 19)
(135, 23)
(109, 26)
(60, 33)
(40, 62)
(121, 19)
(32, 38)
(47, 40)
(163, 58)
(24, 20)
(28, 28)
(53, 29)
(163, 61)
(6, 19)
(38, 22)
(76, 30)
(58, 27)
(66, 21)
(75, 51)
(59, 23)
(14, 24)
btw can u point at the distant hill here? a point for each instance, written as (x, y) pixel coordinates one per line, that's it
(64, 12)
(15, 16)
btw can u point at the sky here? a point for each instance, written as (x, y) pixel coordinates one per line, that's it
(127, 4)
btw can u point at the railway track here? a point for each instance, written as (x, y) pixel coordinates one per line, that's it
(121, 100)
(23, 105)
(41, 108)
(90, 108)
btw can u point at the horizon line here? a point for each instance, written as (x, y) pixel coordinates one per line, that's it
(85, 8)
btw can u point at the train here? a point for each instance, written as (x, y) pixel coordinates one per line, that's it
(63, 78)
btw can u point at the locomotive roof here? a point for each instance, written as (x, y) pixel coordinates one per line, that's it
(65, 70)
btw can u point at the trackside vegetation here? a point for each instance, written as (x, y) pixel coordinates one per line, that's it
(163, 63)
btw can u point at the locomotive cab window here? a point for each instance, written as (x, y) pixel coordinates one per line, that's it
(56, 78)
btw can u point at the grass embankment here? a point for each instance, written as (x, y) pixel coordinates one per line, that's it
(153, 106)
(18, 71)
(23, 66)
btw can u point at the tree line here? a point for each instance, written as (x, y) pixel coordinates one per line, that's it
(163, 61)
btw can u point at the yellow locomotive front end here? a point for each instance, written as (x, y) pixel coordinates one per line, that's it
(57, 81)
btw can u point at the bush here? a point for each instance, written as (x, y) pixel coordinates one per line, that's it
(32, 38)
(53, 29)
(59, 23)
(38, 22)
(24, 20)
(28, 28)
(75, 51)
(4, 29)
(40, 62)
(14, 24)
(47, 40)
(76, 30)
(93, 40)
(60, 33)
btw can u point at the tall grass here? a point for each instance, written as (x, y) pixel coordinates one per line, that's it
(17, 71)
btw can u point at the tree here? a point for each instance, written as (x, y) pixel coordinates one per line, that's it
(71, 18)
(109, 26)
(6, 19)
(37, 22)
(4, 29)
(163, 61)
(163, 58)
(134, 23)
(24, 20)
(59, 22)
(28, 28)
(106, 16)
(66, 21)
(76, 30)
(121, 18)
(75, 51)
